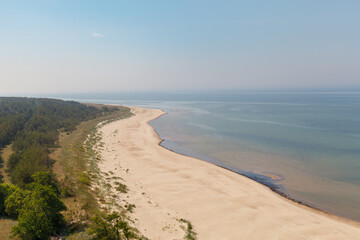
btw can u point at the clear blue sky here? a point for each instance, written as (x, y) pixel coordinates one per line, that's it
(87, 46)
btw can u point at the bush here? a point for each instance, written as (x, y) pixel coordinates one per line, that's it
(121, 187)
(5, 191)
(14, 202)
(84, 178)
(66, 192)
(111, 227)
(44, 179)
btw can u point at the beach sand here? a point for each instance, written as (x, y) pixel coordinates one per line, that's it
(166, 186)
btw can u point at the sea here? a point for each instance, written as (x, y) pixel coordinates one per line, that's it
(305, 145)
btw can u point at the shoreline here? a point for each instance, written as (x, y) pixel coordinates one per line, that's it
(238, 204)
(270, 183)
(273, 186)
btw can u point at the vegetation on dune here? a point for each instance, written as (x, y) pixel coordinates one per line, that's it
(77, 167)
(121, 187)
(14, 202)
(111, 227)
(33, 126)
(1, 166)
(57, 188)
(190, 234)
(39, 216)
(37, 209)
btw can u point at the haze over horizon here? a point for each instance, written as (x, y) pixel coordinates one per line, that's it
(116, 46)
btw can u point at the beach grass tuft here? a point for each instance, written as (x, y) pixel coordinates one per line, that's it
(190, 234)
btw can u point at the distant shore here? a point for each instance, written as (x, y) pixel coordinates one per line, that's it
(166, 186)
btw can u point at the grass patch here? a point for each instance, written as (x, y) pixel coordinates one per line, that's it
(190, 234)
(120, 187)
(84, 178)
(75, 163)
(130, 207)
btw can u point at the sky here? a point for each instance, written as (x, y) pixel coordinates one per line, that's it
(67, 46)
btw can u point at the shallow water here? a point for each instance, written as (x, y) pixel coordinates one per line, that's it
(311, 142)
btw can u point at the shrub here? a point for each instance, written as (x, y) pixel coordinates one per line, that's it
(112, 226)
(121, 187)
(84, 178)
(14, 202)
(5, 191)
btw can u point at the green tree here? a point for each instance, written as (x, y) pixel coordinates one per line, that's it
(40, 215)
(45, 179)
(14, 202)
(5, 191)
(32, 126)
(33, 222)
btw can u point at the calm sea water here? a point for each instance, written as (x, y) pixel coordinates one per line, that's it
(309, 142)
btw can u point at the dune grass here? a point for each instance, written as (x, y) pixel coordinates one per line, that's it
(190, 234)
(72, 171)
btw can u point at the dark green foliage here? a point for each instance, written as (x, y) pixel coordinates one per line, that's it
(44, 179)
(32, 160)
(66, 192)
(34, 224)
(104, 108)
(1, 166)
(5, 191)
(190, 233)
(3, 196)
(111, 227)
(39, 216)
(1, 161)
(13, 198)
(33, 125)
(13, 161)
(14, 202)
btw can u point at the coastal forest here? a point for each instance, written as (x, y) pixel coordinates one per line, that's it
(32, 126)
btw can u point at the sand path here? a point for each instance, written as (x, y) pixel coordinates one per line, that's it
(220, 204)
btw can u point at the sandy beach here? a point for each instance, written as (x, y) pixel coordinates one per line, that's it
(166, 186)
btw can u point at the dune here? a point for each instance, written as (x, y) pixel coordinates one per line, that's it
(220, 204)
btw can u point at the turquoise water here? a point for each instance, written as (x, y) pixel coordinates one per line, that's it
(310, 142)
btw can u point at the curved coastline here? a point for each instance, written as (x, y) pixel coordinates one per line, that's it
(269, 182)
(221, 204)
(276, 188)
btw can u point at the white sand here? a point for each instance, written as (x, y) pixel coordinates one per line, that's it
(220, 204)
